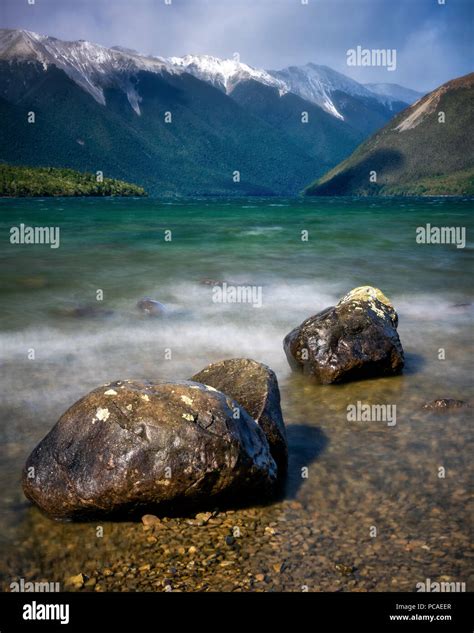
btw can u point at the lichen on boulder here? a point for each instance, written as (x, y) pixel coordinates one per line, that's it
(355, 339)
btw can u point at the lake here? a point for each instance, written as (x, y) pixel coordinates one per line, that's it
(298, 256)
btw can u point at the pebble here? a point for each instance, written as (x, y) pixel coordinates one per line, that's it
(76, 581)
(203, 517)
(150, 520)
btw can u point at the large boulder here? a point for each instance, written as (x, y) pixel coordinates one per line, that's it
(255, 387)
(131, 446)
(355, 339)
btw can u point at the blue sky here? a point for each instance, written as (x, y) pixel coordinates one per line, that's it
(434, 42)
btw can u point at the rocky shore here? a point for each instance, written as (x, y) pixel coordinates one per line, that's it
(358, 508)
(316, 539)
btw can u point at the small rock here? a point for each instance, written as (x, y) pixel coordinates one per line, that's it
(260, 577)
(345, 570)
(150, 520)
(76, 581)
(203, 517)
(150, 307)
(446, 403)
(229, 540)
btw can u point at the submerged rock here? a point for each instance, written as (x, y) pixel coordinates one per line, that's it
(355, 339)
(445, 403)
(84, 312)
(131, 446)
(150, 307)
(210, 282)
(255, 387)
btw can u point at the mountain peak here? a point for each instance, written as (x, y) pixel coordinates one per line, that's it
(317, 84)
(86, 63)
(224, 73)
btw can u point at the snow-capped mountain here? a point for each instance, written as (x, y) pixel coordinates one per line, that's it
(318, 83)
(95, 67)
(394, 92)
(224, 74)
(314, 83)
(106, 106)
(91, 66)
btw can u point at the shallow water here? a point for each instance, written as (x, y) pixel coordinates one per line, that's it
(360, 474)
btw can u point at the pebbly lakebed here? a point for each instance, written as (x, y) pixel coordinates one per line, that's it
(345, 477)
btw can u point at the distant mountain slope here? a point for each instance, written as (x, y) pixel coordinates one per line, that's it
(322, 136)
(393, 92)
(415, 153)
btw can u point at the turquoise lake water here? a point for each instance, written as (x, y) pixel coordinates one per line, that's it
(118, 247)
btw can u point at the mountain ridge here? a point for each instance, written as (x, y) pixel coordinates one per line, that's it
(232, 129)
(427, 149)
(84, 62)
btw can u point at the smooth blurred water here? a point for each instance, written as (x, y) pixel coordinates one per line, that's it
(118, 246)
